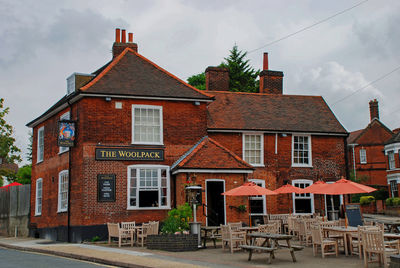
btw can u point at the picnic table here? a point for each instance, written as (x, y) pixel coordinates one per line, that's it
(210, 233)
(346, 232)
(391, 223)
(270, 244)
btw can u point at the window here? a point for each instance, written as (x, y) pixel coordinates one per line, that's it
(393, 188)
(148, 187)
(147, 127)
(38, 202)
(363, 156)
(63, 191)
(301, 151)
(392, 163)
(40, 145)
(253, 149)
(257, 204)
(303, 203)
(64, 116)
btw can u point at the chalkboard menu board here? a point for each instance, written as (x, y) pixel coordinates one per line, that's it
(353, 215)
(106, 187)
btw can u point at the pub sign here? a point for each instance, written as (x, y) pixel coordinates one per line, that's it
(66, 133)
(106, 187)
(129, 154)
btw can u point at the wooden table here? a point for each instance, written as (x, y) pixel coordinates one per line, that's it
(270, 244)
(345, 231)
(210, 232)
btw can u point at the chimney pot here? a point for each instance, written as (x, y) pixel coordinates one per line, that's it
(117, 35)
(265, 61)
(130, 37)
(123, 39)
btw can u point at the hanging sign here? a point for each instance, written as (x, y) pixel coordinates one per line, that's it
(66, 133)
(129, 154)
(106, 187)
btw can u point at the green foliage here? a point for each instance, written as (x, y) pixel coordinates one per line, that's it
(366, 200)
(177, 220)
(381, 194)
(242, 77)
(358, 179)
(242, 208)
(393, 201)
(198, 81)
(389, 201)
(95, 238)
(24, 175)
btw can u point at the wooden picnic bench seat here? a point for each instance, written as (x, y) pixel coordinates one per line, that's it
(266, 249)
(294, 247)
(213, 237)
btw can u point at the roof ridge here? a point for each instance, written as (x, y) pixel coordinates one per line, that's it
(261, 94)
(230, 152)
(369, 126)
(107, 69)
(180, 159)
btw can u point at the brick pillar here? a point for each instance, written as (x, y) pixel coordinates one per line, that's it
(217, 79)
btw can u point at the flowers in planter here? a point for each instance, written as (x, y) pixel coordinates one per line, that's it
(177, 221)
(366, 200)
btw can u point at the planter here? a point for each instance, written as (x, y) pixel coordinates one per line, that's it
(172, 242)
(392, 210)
(369, 208)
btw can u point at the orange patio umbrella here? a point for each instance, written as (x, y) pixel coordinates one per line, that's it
(11, 185)
(249, 189)
(288, 189)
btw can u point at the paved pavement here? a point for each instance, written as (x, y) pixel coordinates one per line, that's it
(142, 257)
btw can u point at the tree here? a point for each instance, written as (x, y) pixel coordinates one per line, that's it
(9, 152)
(24, 174)
(242, 77)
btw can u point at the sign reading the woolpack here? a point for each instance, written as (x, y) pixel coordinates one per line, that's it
(106, 187)
(129, 154)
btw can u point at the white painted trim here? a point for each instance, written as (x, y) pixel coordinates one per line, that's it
(152, 107)
(392, 147)
(309, 150)
(276, 143)
(235, 171)
(59, 209)
(38, 213)
(262, 147)
(363, 151)
(391, 177)
(158, 167)
(273, 132)
(294, 197)
(38, 159)
(262, 182)
(223, 190)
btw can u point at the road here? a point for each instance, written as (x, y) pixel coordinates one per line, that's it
(16, 259)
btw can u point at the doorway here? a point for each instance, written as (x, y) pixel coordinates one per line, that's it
(215, 202)
(332, 204)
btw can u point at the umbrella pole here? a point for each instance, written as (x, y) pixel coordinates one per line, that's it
(249, 212)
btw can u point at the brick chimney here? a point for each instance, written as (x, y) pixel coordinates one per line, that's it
(270, 81)
(120, 42)
(217, 79)
(373, 109)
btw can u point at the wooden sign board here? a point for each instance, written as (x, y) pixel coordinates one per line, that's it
(353, 215)
(106, 187)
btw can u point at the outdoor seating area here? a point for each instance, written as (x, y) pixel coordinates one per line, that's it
(128, 233)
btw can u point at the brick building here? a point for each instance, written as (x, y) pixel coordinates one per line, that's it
(143, 135)
(392, 151)
(367, 159)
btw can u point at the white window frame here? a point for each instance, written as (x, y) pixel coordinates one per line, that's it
(39, 197)
(40, 145)
(159, 168)
(61, 176)
(391, 182)
(363, 156)
(302, 196)
(259, 197)
(309, 151)
(392, 160)
(64, 116)
(261, 164)
(160, 108)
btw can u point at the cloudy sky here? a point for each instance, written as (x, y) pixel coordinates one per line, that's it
(43, 42)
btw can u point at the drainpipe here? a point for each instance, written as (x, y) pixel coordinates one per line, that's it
(354, 162)
(69, 181)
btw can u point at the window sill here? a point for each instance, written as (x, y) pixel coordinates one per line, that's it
(62, 211)
(60, 153)
(257, 165)
(302, 166)
(38, 162)
(149, 208)
(38, 215)
(148, 143)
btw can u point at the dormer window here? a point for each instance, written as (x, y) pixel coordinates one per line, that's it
(70, 84)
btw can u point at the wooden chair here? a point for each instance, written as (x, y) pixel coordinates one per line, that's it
(130, 226)
(271, 228)
(293, 226)
(373, 244)
(235, 226)
(278, 224)
(305, 231)
(356, 246)
(332, 235)
(266, 219)
(325, 243)
(143, 232)
(114, 231)
(232, 238)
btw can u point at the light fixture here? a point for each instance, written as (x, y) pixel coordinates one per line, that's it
(197, 103)
(108, 98)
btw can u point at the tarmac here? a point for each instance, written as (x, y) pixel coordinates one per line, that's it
(127, 256)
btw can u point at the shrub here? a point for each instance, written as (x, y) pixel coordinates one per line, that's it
(381, 194)
(177, 220)
(396, 201)
(95, 238)
(389, 201)
(366, 200)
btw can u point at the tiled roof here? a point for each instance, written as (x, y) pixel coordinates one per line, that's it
(353, 136)
(375, 133)
(209, 154)
(394, 139)
(132, 74)
(272, 112)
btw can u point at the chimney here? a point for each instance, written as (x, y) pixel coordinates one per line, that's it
(271, 82)
(120, 42)
(373, 109)
(217, 79)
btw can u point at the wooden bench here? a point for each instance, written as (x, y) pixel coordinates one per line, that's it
(294, 247)
(265, 249)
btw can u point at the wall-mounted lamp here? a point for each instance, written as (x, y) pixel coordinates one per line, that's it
(197, 103)
(284, 135)
(108, 98)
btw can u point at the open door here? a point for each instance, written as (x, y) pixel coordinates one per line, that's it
(215, 202)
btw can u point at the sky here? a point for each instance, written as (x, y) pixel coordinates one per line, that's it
(43, 42)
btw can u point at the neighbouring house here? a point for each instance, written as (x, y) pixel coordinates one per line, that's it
(392, 151)
(143, 135)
